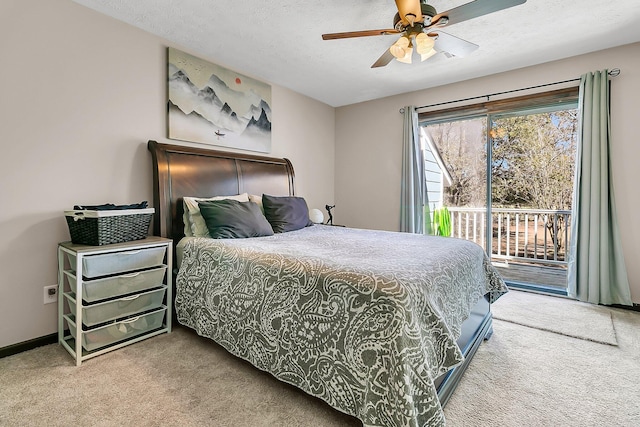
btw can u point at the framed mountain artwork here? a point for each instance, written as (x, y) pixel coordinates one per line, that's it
(211, 104)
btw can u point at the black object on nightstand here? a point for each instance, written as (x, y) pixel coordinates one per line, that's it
(328, 208)
(330, 220)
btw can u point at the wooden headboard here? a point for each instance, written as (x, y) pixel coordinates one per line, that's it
(180, 171)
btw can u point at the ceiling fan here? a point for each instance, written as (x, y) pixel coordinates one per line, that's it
(421, 27)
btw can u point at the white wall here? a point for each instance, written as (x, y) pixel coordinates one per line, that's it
(80, 95)
(369, 143)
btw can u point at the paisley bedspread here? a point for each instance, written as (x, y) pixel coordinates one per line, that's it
(365, 320)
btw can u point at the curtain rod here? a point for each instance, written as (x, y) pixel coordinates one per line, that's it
(613, 73)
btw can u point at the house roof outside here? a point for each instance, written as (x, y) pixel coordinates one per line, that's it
(446, 175)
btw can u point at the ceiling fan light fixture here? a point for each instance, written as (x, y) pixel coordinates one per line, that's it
(400, 47)
(397, 51)
(424, 44)
(407, 57)
(415, 19)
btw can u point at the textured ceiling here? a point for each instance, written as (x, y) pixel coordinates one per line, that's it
(279, 41)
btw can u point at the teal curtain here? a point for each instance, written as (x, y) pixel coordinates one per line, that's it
(413, 190)
(597, 272)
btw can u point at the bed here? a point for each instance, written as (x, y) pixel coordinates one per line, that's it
(380, 331)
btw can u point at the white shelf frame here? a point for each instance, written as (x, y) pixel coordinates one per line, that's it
(80, 251)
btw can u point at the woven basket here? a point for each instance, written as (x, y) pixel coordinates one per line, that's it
(97, 228)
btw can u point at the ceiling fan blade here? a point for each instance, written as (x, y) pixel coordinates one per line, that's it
(383, 60)
(350, 34)
(453, 45)
(411, 9)
(475, 9)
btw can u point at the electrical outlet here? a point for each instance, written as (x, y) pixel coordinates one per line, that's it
(50, 294)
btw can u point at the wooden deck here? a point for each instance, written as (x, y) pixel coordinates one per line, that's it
(533, 274)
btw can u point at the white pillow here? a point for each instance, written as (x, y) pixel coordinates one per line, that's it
(194, 224)
(257, 200)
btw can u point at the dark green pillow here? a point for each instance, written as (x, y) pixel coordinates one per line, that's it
(231, 219)
(286, 213)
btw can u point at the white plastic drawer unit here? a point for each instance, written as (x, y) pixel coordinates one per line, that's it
(112, 333)
(102, 312)
(112, 296)
(94, 290)
(119, 262)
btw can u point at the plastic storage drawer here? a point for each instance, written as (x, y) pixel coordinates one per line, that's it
(112, 333)
(113, 309)
(119, 262)
(115, 286)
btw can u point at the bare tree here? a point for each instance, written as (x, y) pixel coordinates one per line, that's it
(533, 158)
(461, 145)
(532, 165)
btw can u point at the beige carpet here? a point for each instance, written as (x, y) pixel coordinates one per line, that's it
(525, 377)
(555, 314)
(520, 377)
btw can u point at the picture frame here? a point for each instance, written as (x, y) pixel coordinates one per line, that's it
(211, 104)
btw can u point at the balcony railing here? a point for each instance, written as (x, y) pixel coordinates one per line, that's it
(529, 235)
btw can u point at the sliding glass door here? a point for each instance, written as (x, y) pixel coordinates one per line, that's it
(507, 184)
(456, 162)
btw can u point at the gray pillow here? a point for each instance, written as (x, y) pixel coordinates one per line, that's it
(286, 213)
(231, 219)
